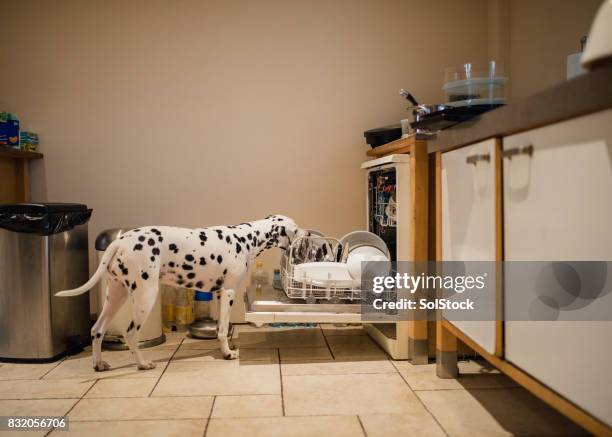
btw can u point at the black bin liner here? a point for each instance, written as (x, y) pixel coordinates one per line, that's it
(43, 218)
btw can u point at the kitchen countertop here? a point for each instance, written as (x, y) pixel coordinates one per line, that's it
(583, 95)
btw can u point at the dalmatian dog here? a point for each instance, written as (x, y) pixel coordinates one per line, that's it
(215, 258)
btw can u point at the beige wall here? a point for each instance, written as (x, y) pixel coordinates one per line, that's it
(542, 34)
(194, 113)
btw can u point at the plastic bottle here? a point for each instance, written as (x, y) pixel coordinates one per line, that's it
(168, 313)
(276, 280)
(259, 278)
(183, 308)
(202, 304)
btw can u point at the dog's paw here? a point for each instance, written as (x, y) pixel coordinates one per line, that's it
(231, 355)
(147, 365)
(101, 366)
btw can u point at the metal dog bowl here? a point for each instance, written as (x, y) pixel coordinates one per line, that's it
(206, 329)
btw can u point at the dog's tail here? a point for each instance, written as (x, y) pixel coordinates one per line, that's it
(108, 255)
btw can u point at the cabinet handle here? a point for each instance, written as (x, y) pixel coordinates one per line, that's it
(473, 159)
(527, 150)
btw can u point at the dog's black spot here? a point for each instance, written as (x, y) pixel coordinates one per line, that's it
(160, 239)
(171, 264)
(212, 256)
(135, 230)
(248, 247)
(138, 328)
(238, 248)
(224, 272)
(189, 257)
(152, 259)
(187, 267)
(199, 284)
(228, 240)
(215, 288)
(127, 283)
(151, 242)
(155, 251)
(180, 282)
(219, 282)
(130, 326)
(98, 334)
(155, 231)
(219, 259)
(144, 275)
(173, 248)
(249, 236)
(142, 238)
(231, 302)
(133, 286)
(202, 261)
(189, 285)
(191, 275)
(137, 247)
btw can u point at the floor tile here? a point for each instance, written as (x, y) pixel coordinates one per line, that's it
(471, 375)
(248, 406)
(303, 337)
(25, 371)
(416, 423)
(486, 412)
(188, 354)
(43, 389)
(334, 426)
(348, 346)
(149, 428)
(36, 407)
(235, 377)
(331, 329)
(196, 343)
(142, 408)
(330, 367)
(122, 364)
(122, 388)
(304, 353)
(348, 394)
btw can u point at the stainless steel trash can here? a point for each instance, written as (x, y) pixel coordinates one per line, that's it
(43, 250)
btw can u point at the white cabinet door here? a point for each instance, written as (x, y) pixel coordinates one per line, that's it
(468, 220)
(558, 207)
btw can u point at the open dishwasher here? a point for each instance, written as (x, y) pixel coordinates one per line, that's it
(307, 297)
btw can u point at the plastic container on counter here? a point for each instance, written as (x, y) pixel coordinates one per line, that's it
(474, 84)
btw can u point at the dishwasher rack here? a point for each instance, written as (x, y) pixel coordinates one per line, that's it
(301, 251)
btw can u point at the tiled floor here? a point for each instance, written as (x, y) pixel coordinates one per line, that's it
(290, 382)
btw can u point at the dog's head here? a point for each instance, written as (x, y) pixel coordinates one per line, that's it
(285, 231)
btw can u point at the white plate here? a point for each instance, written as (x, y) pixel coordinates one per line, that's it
(325, 274)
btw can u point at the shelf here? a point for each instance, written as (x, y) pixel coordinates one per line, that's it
(7, 152)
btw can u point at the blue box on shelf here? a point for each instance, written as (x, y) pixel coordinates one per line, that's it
(9, 130)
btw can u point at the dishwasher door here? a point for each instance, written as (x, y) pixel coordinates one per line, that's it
(273, 306)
